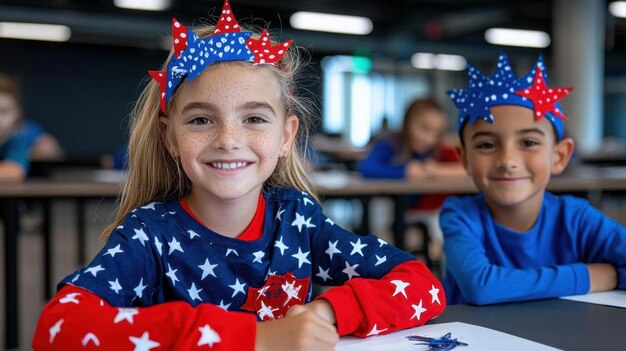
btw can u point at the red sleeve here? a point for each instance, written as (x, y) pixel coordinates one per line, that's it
(447, 153)
(408, 296)
(76, 319)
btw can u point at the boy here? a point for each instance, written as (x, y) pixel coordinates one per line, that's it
(514, 241)
(13, 147)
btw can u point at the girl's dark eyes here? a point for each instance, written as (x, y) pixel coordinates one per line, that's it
(199, 120)
(255, 119)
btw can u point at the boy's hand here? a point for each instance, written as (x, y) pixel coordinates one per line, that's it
(602, 277)
(414, 170)
(301, 330)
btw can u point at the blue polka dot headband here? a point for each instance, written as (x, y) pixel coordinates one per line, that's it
(193, 54)
(504, 88)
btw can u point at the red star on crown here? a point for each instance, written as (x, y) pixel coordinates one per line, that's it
(161, 78)
(179, 34)
(227, 22)
(264, 51)
(544, 98)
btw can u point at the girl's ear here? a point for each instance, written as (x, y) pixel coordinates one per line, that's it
(166, 135)
(289, 133)
(562, 153)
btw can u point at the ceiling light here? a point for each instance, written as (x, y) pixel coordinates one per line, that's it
(618, 8)
(325, 22)
(149, 5)
(35, 31)
(445, 62)
(517, 37)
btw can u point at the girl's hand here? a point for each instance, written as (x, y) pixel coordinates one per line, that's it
(602, 277)
(301, 330)
(414, 170)
(320, 307)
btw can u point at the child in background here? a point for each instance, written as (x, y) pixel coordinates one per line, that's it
(218, 227)
(14, 160)
(419, 151)
(514, 241)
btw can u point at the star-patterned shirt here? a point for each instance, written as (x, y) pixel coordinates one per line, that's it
(162, 254)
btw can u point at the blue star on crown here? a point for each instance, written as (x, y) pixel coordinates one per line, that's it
(502, 88)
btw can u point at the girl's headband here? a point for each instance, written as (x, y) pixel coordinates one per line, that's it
(504, 88)
(193, 54)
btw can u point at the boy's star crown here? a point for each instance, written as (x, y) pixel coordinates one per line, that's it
(504, 88)
(193, 54)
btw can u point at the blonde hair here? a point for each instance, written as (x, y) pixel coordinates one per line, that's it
(155, 175)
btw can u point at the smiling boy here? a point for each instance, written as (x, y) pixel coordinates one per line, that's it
(514, 241)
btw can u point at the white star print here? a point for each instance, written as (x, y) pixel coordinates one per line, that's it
(332, 249)
(75, 277)
(70, 298)
(55, 329)
(357, 247)
(258, 256)
(300, 221)
(113, 251)
(418, 310)
(261, 292)
(228, 251)
(266, 311)
(172, 274)
(382, 242)
(301, 256)
(207, 268)
(222, 306)
(323, 273)
(328, 220)
(159, 245)
(139, 289)
(278, 214)
(192, 234)
(174, 246)
(90, 337)
(115, 286)
(380, 260)
(237, 287)
(193, 292)
(351, 270)
(375, 331)
(144, 343)
(434, 292)
(141, 236)
(125, 314)
(94, 270)
(208, 336)
(149, 206)
(291, 291)
(400, 286)
(279, 244)
(307, 201)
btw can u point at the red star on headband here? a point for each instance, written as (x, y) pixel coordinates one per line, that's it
(544, 98)
(264, 51)
(227, 22)
(179, 34)
(161, 78)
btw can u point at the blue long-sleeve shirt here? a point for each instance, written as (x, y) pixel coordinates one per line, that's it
(15, 149)
(382, 161)
(489, 263)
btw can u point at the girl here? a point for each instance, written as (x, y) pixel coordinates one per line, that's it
(219, 229)
(418, 151)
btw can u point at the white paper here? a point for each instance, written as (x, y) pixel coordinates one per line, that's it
(615, 298)
(477, 338)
